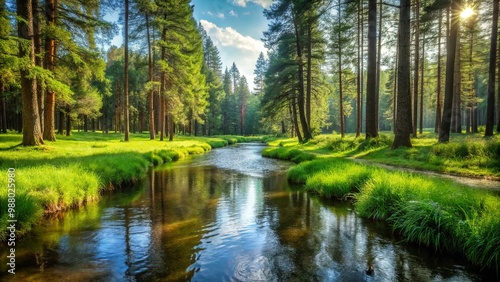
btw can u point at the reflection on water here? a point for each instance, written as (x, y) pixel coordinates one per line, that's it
(225, 216)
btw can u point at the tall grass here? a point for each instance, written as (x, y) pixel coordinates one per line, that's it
(76, 170)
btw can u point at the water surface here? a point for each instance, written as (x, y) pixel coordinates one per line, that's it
(229, 215)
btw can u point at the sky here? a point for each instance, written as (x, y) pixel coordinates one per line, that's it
(236, 28)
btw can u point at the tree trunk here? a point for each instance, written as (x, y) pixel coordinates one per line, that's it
(151, 78)
(456, 116)
(395, 91)
(161, 118)
(371, 96)
(403, 115)
(379, 59)
(444, 129)
(125, 78)
(300, 98)
(37, 40)
(416, 65)
(490, 107)
(438, 98)
(359, 74)
(422, 69)
(50, 55)
(32, 135)
(341, 98)
(309, 73)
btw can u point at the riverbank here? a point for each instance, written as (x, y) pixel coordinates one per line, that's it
(77, 169)
(429, 211)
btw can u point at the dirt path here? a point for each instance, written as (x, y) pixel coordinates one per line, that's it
(487, 184)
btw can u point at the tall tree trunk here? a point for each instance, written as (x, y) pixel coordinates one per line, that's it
(125, 78)
(32, 135)
(151, 78)
(309, 72)
(395, 91)
(451, 46)
(37, 40)
(161, 118)
(403, 115)
(438, 90)
(422, 69)
(456, 117)
(359, 73)
(416, 65)
(300, 98)
(50, 55)
(341, 98)
(490, 107)
(371, 96)
(379, 61)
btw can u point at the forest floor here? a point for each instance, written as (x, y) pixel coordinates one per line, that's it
(465, 155)
(77, 169)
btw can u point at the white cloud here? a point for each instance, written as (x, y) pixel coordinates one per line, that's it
(236, 47)
(233, 13)
(219, 15)
(263, 3)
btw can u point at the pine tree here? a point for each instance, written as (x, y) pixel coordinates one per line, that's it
(32, 135)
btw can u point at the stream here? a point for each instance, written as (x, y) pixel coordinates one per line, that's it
(228, 215)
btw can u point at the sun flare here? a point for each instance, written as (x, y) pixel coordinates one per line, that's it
(467, 12)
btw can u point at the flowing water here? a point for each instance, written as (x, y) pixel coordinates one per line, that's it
(229, 215)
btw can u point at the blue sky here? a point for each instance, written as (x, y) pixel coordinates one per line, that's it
(235, 26)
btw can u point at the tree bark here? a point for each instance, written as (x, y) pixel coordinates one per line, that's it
(403, 113)
(125, 78)
(341, 98)
(456, 116)
(37, 40)
(422, 69)
(50, 55)
(451, 44)
(371, 97)
(359, 74)
(438, 90)
(32, 135)
(490, 107)
(151, 91)
(300, 98)
(416, 65)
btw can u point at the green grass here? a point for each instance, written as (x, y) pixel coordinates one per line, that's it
(76, 170)
(428, 211)
(469, 155)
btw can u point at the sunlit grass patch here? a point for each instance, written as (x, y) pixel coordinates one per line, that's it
(76, 169)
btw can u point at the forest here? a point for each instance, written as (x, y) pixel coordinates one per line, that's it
(385, 106)
(332, 66)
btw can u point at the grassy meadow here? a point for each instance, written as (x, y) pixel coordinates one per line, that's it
(75, 170)
(428, 211)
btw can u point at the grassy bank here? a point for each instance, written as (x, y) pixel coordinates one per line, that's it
(77, 169)
(428, 211)
(468, 155)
